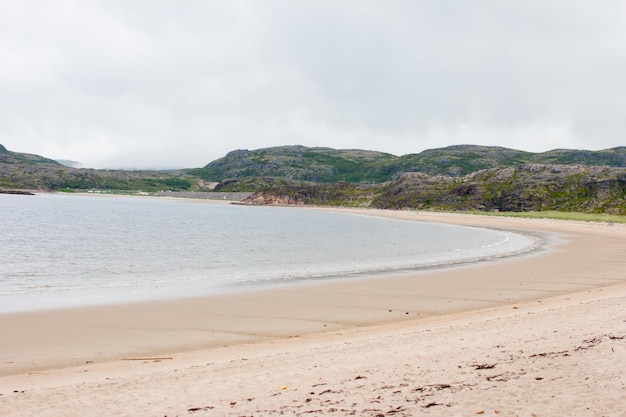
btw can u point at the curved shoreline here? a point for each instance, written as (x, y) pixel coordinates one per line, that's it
(539, 243)
(352, 326)
(220, 252)
(370, 246)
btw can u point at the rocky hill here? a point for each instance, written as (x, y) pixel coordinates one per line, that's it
(301, 163)
(326, 165)
(529, 187)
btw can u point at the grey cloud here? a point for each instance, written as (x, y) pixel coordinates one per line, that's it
(173, 84)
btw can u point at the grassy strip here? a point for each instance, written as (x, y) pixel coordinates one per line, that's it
(560, 215)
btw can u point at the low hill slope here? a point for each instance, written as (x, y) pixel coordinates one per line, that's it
(9, 157)
(529, 187)
(326, 165)
(34, 172)
(462, 159)
(301, 163)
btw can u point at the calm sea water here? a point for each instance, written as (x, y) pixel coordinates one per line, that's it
(71, 250)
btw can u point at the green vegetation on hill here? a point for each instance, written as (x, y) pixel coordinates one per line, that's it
(462, 177)
(325, 165)
(610, 157)
(530, 187)
(8, 157)
(253, 183)
(33, 172)
(462, 160)
(42, 177)
(299, 163)
(521, 188)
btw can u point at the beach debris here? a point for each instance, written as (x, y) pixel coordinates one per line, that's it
(502, 377)
(550, 354)
(373, 410)
(284, 387)
(360, 377)
(439, 387)
(479, 366)
(194, 409)
(147, 359)
(587, 344)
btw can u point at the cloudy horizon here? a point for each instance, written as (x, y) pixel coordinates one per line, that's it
(165, 84)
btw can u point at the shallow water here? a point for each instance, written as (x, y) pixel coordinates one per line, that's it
(70, 250)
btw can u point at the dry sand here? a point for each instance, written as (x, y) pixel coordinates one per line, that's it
(541, 334)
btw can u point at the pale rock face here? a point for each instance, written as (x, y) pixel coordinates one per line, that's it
(272, 200)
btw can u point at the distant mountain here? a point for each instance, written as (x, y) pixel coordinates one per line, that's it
(326, 165)
(71, 164)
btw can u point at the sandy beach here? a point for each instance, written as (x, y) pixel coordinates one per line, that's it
(541, 334)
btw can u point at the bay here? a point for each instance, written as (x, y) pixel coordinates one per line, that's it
(61, 250)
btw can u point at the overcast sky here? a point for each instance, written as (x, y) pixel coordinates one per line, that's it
(171, 84)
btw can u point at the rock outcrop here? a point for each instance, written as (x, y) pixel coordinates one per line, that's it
(16, 192)
(530, 187)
